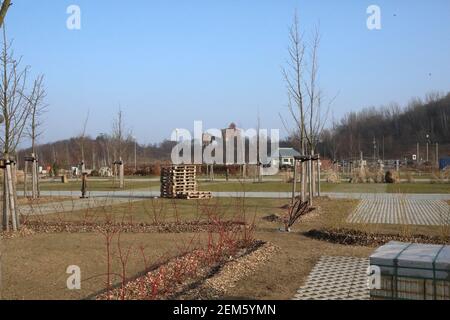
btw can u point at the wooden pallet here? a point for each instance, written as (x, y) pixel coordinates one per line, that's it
(179, 181)
(195, 195)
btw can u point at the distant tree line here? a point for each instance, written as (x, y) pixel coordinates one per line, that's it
(99, 152)
(390, 132)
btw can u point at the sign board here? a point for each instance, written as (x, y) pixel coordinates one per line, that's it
(414, 157)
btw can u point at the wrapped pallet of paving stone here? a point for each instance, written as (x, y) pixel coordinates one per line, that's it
(412, 271)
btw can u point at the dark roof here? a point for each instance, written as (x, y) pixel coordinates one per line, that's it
(288, 153)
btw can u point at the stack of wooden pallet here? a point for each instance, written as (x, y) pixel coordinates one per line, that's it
(179, 181)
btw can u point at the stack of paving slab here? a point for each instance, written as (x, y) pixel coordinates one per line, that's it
(179, 181)
(412, 272)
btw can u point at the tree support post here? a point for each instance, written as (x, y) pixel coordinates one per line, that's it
(84, 185)
(294, 183)
(10, 217)
(119, 168)
(318, 175)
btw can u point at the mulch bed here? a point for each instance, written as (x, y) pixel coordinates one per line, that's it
(169, 227)
(35, 227)
(227, 277)
(195, 275)
(360, 238)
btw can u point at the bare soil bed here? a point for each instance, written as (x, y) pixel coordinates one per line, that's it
(355, 237)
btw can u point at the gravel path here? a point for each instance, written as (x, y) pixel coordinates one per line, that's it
(275, 195)
(72, 205)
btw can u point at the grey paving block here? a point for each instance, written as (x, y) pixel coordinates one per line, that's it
(336, 278)
(397, 209)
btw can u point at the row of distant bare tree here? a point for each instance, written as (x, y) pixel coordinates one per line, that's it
(98, 152)
(391, 132)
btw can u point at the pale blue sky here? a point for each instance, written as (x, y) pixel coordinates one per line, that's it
(168, 63)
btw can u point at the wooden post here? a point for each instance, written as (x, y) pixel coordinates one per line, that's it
(14, 188)
(310, 178)
(38, 187)
(303, 182)
(6, 210)
(25, 179)
(294, 183)
(121, 175)
(83, 185)
(118, 168)
(418, 155)
(33, 178)
(437, 155)
(318, 175)
(10, 187)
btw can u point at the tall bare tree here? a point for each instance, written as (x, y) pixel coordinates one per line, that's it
(14, 103)
(82, 140)
(304, 97)
(293, 75)
(37, 109)
(15, 108)
(121, 135)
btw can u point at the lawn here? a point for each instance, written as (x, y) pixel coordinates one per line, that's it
(278, 186)
(249, 186)
(419, 188)
(35, 267)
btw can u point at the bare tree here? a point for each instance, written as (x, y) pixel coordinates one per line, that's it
(304, 101)
(37, 109)
(82, 140)
(15, 105)
(317, 114)
(120, 135)
(4, 9)
(15, 109)
(293, 76)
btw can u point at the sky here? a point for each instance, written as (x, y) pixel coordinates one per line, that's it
(168, 63)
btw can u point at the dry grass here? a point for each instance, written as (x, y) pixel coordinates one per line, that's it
(35, 267)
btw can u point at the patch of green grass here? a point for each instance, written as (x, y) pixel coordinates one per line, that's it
(268, 186)
(419, 188)
(278, 186)
(354, 187)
